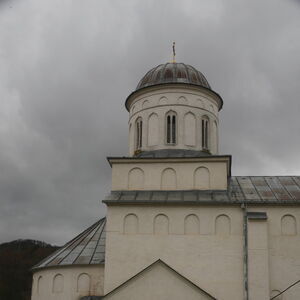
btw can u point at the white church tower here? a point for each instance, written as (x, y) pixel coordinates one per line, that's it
(152, 211)
(178, 225)
(173, 134)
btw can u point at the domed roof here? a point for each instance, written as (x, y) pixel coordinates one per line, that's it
(173, 73)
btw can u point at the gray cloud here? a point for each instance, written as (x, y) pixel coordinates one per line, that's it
(67, 67)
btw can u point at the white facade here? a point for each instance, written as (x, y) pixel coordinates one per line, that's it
(205, 244)
(68, 282)
(205, 173)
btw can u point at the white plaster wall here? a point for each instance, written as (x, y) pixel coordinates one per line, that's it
(258, 260)
(283, 250)
(150, 175)
(207, 249)
(158, 282)
(209, 257)
(186, 101)
(44, 290)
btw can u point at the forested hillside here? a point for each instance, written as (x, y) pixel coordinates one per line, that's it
(16, 259)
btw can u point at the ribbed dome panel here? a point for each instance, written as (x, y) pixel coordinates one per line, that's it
(173, 73)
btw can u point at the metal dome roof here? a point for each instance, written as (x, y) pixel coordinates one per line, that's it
(173, 73)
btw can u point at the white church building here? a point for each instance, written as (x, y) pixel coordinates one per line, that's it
(179, 225)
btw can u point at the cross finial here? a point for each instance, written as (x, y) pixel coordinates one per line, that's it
(174, 53)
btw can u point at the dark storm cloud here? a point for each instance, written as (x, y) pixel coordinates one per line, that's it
(67, 67)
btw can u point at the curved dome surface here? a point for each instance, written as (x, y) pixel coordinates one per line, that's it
(173, 73)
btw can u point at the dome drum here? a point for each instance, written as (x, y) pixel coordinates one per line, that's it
(171, 117)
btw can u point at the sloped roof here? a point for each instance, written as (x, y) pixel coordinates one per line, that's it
(87, 248)
(242, 189)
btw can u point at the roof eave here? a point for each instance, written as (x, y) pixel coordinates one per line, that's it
(143, 89)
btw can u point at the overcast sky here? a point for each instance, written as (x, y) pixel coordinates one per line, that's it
(66, 68)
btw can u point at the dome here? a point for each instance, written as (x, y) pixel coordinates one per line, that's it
(173, 73)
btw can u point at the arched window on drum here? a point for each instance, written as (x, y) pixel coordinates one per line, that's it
(205, 132)
(138, 133)
(171, 128)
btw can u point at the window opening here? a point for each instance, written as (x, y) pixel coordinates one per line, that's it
(139, 133)
(171, 128)
(205, 134)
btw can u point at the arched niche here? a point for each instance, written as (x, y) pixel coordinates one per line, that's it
(168, 179)
(58, 284)
(182, 100)
(163, 101)
(200, 103)
(205, 130)
(153, 130)
(214, 137)
(136, 179)
(189, 129)
(288, 225)
(146, 104)
(202, 179)
(83, 282)
(40, 285)
(131, 137)
(222, 225)
(131, 224)
(191, 224)
(161, 224)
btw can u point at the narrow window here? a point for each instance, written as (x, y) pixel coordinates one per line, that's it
(171, 128)
(205, 133)
(168, 129)
(139, 133)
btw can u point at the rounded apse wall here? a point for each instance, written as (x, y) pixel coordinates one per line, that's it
(68, 282)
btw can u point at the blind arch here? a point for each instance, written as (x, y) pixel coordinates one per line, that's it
(58, 284)
(83, 282)
(161, 224)
(131, 224)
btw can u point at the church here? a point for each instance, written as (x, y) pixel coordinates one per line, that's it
(179, 225)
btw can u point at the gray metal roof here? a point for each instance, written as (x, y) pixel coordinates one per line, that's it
(242, 189)
(88, 248)
(173, 72)
(174, 153)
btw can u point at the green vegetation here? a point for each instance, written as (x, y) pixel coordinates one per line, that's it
(16, 260)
